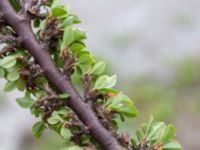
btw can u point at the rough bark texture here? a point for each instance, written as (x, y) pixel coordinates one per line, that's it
(21, 25)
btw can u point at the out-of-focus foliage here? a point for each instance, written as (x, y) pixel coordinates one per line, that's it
(177, 100)
(156, 136)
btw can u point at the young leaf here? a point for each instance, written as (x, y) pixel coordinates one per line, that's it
(58, 11)
(15, 4)
(140, 135)
(109, 90)
(101, 82)
(8, 62)
(134, 142)
(35, 111)
(173, 145)
(36, 23)
(76, 19)
(128, 110)
(13, 75)
(68, 21)
(38, 129)
(25, 102)
(76, 47)
(54, 119)
(122, 104)
(63, 111)
(111, 81)
(63, 96)
(105, 82)
(65, 133)
(170, 133)
(72, 148)
(2, 72)
(10, 86)
(156, 132)
(86, 59)
(83, 52)
(98, 68)
(149, 125)
(68, 37)
(79, 35)
(21, 85)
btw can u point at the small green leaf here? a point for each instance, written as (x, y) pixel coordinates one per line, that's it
(54, 119)
(35, 111)
(40, 93)
(83, 52)
(127, 110)
(13, 75)
(68, 21)
(25, 102)
(85, 139)
(65, 133)
(36, 23)
(86, 59)
(63, 96)
(72, 148)
(108, 90)
(63, 111)
(59, 62)
(38, 129)
(98, 68)
(173, 145)
(170, 133)
(8, 62)
(122, 104)
(101, 82)
(117, 100)
(156, 132)
(111, 81)
(140, 135)
(134, 142)
(79, 35)
(21, 85)
(122, 117)
(15, 4)
(76, 19)
(58, 11)
(10, 86)
(105, 82)
(76, 47)
(149, 126)
(85, 69)
(68, 37)
(2, 72)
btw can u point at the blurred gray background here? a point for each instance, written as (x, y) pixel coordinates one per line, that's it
(153, 46)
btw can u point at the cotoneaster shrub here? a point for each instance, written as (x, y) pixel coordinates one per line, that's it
(44, 55)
